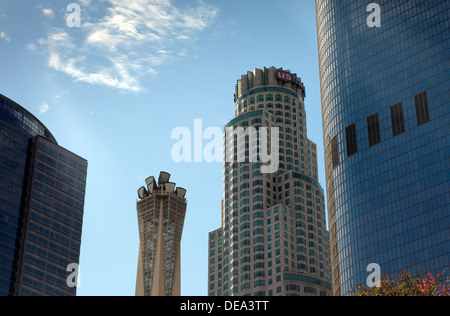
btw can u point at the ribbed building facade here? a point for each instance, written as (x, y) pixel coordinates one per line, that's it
(384, 70)
(161, 210)
(273, 239)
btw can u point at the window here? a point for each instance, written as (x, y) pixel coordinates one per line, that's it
(373, 126)
(398, 122)
(423, 116)
(334, 152)
(350, 133)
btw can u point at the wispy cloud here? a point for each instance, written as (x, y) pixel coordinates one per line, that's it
(85, 2)
(132, 40)
(48, 12)
(32, 47)
(5, 37)
(44, 108)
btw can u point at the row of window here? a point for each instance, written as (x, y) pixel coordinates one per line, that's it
(373, 127)
(269, 97)
(286, 193)
(270, 107)
(245, 281)
(279, 290)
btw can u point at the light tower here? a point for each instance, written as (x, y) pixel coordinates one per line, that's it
(161, 209)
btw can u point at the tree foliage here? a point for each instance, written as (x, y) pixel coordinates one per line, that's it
(409, 285)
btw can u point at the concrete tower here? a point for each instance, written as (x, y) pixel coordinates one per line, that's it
(161, 209)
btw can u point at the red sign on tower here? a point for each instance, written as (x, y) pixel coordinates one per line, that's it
(284, 75)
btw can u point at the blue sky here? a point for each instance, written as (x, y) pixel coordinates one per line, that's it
(114, 89)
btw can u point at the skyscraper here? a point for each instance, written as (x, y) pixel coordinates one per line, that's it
(273, 239)
(42, 188)
(384, 71)
(161, 209)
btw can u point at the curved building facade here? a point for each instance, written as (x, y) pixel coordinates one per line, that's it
(384, 71)
(273, 239)
(42, 190)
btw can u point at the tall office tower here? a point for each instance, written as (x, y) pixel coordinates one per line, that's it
(161, 209)
(384, 70)
(273, 239)
(42, 187)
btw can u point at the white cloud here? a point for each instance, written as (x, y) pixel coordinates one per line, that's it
(84, 2)
(5, 37)
(63, 93)
(132, 40)
(44, 108)
(32, 47)
(48, 12)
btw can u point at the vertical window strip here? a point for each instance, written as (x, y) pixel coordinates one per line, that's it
(373, 126)
(334, 152)
(397, 119)
(250, 80)
(350, 133)
(422, 113)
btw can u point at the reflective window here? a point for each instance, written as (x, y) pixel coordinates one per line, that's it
(373, 128)
(335, 152)
(350, 133)
(423, 116)
(397, 120)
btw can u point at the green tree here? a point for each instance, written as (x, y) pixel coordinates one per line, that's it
(408, 285)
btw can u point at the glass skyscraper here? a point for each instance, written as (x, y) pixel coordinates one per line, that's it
(42, 188)
(273, 240)
(384, 70)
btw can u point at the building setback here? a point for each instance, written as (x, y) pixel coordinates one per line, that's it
(42, 189)
(161, 210)
(385, 107)
(273, 239)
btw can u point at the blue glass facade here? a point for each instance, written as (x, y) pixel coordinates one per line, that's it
(42, 189)
(385, 106)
